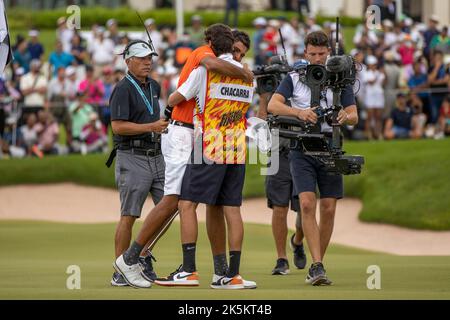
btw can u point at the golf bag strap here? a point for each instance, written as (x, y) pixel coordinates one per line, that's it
(111, 157)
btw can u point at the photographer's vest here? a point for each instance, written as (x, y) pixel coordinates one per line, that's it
(223, 119)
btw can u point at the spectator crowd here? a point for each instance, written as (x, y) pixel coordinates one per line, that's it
(402, 84)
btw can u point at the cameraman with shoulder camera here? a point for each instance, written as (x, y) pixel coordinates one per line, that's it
(308, 172)
(279, 187)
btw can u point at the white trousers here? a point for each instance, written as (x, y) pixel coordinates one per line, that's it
(176, 148)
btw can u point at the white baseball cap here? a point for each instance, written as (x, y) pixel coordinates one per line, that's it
(20, 71)
(260, 21)
(33, 33)
(139, 49)
(149, 22)
(100, 30)
(434, 18)
(70, 71)
(372, 60)
(409, 22)
(93, 116)
(111, 22)
(35, 63)
(274, 23)
(354, 52)
(388, 23)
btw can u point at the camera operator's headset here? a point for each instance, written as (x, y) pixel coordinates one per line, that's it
(133, 42)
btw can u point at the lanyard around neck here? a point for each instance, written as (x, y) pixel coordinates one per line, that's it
(138, 88)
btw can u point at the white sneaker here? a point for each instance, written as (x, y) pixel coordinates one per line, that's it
(179, 278)
(439, 136)
(229, 283)
(84, 149)
(131, 274)
(247, 283)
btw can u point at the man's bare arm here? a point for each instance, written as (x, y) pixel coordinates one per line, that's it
(263, 101)
(348, 115)
(277, 106)
(227, 69)
(175, 98)
(127, 128)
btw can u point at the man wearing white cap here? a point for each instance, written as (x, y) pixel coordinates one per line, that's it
(64, 34)
(102, 52)
(139, 169)
(429, 35)
(155, 35)
(260, 24)
(374, 82)
(196, 31)
(35, 48)
(113, 31)
(71, 85)
(182, 130)
(33, 86)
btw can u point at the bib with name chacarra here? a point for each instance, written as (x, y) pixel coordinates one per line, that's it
(223, 119)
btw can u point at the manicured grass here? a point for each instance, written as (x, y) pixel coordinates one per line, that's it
(36, 256)
(404, 183)
(88, 170)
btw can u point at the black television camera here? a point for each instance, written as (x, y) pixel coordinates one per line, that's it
(268, 77)
(338, 73)
(316, 145)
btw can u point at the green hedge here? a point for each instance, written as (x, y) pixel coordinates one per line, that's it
(21, 18)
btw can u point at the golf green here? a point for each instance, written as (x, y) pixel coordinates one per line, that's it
(35, 257)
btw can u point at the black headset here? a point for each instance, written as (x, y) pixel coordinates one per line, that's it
(133, 42)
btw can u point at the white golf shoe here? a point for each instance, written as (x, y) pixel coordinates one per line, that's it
(131, 274)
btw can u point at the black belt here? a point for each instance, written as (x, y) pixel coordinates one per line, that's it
(182, 124)
(146, 152)
(146, 148)
(139, 144)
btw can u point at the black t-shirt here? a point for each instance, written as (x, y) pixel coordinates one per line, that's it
(402, 119)
(127, 104)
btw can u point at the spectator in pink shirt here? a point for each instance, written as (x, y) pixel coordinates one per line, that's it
(406, 50)
(48, 132)
(94, 136)
(93, 87)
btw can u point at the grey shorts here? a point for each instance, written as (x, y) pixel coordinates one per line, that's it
(136, 177)
(280, 188)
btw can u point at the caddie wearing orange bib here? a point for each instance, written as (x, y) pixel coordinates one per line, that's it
(223, 119)
(216, 173)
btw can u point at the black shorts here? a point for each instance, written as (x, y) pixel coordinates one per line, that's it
(279, 187)
(308, 174)
(214, 184)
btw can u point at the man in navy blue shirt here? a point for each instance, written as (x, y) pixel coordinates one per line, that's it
(308, 173)
(403, 123)
(418, 83)
(429, 35)
(35, 48)
(438, 78)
